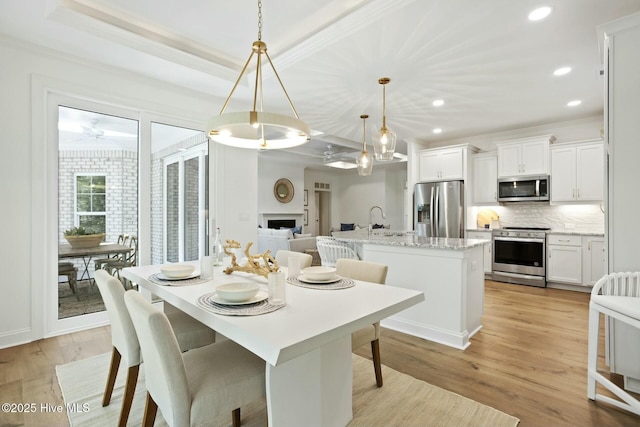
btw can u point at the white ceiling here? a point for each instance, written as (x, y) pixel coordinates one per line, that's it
(485, 59)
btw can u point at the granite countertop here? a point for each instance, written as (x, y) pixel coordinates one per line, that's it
(575, 232)
(408, 239)
(565, 231)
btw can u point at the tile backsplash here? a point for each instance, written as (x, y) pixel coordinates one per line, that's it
(585, 218)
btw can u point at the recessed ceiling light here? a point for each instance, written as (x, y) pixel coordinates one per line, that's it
(437, 130)
(574, 103)
(539, 13)
(562, 71)
(438, 102)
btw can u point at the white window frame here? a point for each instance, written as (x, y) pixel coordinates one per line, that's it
(76, 213)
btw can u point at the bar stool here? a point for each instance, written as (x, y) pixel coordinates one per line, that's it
(616, 295)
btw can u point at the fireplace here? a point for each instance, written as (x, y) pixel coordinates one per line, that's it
(278, 223)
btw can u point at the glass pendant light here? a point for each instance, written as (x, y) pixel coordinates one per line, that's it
(364, 160)
(258, 129)
(384, 142)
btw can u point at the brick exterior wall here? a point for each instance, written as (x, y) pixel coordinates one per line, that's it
(121, 171)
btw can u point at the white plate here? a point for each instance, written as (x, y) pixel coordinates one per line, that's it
(260, 296)
(190, 276)
(304, 279)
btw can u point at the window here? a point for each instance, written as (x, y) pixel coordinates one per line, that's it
(90, 205)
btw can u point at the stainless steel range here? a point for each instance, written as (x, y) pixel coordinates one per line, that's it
(519, 255)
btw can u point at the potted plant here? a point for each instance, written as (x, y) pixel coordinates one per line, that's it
(80, 237)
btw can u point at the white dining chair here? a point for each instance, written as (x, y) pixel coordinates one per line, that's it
(194, 388)
(367, 272)
(616, 295)
(282, 258)
(332, 250)
(190, 333)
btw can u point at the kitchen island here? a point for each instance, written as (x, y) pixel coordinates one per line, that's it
(448, 271)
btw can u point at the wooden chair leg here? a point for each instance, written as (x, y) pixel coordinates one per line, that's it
(375, 351)
(129, 390)
(150, 410)
(235, 417)
(111, 379)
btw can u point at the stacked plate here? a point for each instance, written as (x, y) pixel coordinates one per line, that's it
(319, 275)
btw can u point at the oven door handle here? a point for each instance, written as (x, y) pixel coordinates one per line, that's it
(518, 239)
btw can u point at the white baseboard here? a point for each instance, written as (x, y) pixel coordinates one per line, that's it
(14, 338)
(449, 338)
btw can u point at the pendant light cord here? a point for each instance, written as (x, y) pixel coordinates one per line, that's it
(259, 19)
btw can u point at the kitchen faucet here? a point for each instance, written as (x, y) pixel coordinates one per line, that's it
(371, 217)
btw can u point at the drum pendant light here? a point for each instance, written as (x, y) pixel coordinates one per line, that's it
(258, 129)
(384, 141)
(364, 160)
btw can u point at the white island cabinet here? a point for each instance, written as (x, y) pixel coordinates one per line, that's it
(449, 272)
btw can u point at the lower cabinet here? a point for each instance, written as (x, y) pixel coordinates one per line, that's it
(488, 255)
(575, 259)
(593, 259)
(564, 259)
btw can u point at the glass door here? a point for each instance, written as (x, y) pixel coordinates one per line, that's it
(179, 202)
(97, 200)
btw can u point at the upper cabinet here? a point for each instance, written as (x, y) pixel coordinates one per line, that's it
(577, 172)
(441, 164)
(485, 178)
(527, 156)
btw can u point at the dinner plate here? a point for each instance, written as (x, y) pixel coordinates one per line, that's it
(304, 279)
(260, 296)
(190, 276)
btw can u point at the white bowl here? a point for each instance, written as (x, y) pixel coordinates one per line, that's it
(237, 292)
(319, 273)
(177, 271)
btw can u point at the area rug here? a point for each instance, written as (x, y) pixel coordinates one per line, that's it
(402, 401)
(88, 300)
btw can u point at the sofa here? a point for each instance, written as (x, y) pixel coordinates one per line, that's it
(275, 240)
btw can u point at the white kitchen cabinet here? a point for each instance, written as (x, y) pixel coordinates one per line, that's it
(593, 259)
(564, 259)
(488, 255)
(527, 156)
(485, 178)
(577, 172)
(441, 165)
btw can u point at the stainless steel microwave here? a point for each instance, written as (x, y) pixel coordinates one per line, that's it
(524, 189)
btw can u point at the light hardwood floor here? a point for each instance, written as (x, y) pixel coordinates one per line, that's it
(529, 360)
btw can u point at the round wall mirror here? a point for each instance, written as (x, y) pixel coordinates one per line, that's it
(283, 190)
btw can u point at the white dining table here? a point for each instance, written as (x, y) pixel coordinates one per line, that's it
(306, 344)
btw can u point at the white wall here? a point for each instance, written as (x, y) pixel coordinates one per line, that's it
(269, 171)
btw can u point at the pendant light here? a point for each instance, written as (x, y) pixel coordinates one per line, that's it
(258, 129)
(364, 160)
(384, 142)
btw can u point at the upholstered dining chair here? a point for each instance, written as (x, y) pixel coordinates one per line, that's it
(616, 295)
(190, 333)
(282, 258)
(368, 272)
(193, 388)
(332, 250)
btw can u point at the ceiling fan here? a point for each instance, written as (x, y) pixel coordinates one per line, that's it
(339, 159)
(93, 131)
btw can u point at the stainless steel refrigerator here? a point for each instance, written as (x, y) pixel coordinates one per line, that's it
(439, 209)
